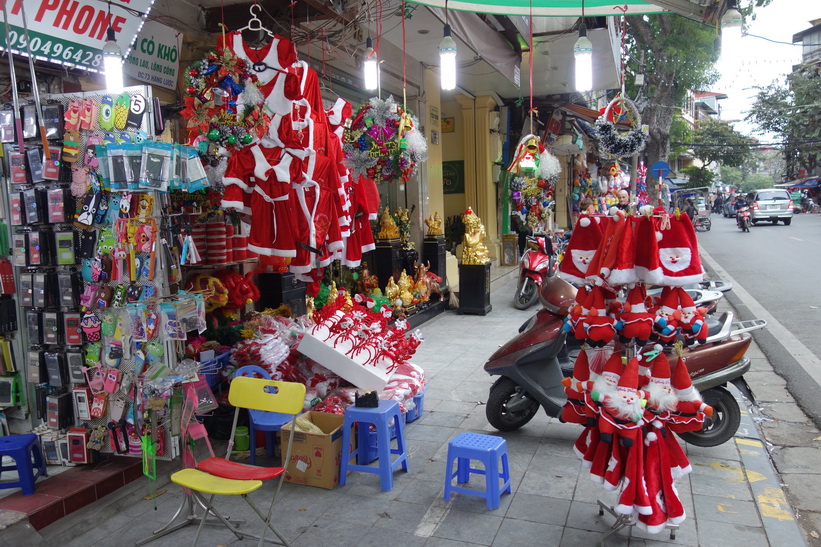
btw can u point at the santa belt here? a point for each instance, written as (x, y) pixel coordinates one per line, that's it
(685, 414)
(299, 187)
(269, 199)
(576, 401)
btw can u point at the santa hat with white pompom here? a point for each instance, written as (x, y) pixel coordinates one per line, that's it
(580, 249)
(678, 252)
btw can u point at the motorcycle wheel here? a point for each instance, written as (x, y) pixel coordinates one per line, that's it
(721, 427)
(503, 393)
(526, 294)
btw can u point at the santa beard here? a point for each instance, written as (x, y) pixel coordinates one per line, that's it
(604, 385)
(582, 258)
(622, 409)
(659, 398)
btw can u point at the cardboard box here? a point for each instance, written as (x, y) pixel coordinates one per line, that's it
(315, 458)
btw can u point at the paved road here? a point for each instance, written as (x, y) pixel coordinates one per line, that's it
(779, 267)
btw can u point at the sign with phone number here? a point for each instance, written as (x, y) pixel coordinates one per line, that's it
(55, 50)
(71, 32)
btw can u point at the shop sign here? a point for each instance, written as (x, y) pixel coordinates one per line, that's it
(72, 32)
(155, 56)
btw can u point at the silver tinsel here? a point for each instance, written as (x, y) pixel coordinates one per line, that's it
(617, 145)
(383, 110)
(358, 161)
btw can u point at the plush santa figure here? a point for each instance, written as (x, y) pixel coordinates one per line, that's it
(624, 410)
(580, 249)
(665, 328)
(678, 251)
(648, 267)
(635, 322)
(595, 452)
(599, 327)
(575, 409)
(693, 325)
(572, 323)
(690, 410)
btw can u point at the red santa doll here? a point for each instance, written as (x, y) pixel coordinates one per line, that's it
(635, 322)
(575, 409)
(693, 326)
(690, 410)
(599, 326)
(665, 328)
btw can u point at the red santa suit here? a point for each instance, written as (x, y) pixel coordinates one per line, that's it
(364, 208)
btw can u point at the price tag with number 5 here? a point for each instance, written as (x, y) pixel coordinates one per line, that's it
(135, 112)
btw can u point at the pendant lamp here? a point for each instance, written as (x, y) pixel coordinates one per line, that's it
(371, 67)
(113, 63)
(447, 60)
(583, 54)
(731, 24)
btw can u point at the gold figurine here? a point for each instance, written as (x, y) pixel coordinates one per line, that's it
(392, 291)
(387, 227)
(405, 289)
(434, 225)
(473, 250)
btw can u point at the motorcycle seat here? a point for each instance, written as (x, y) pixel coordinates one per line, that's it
(714, 326)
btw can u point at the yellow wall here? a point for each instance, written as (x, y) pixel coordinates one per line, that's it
(453, 149)
(435, 202)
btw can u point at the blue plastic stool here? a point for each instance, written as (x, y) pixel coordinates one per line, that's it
(21, 448)
(486, 449)
(381, 418)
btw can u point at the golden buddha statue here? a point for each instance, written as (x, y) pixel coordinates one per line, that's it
(473, 250)
(434, 224)
(387, 227)
(405, 289)
(392, 291)
(402, 218)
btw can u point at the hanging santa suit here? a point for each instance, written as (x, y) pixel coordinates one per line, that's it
(264, 176)
(365, 207)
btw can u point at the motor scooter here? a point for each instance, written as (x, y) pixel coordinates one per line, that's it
(531, 367)
(742, 218)
(532, 270)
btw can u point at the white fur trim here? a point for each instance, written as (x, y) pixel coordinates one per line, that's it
(233, 181)
(584, 222)
(233, 205)
(271, 252)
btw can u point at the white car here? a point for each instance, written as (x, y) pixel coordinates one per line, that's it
(771, 204)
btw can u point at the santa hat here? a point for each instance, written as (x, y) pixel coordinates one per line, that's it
(605, 258)
(580, 249)
(682, 384)
(669, 302)
(636, 298)
(660, 373)
(685, 301)
(614, 368)
(623, 271)
(648, 267)
(581, 370)
(678, 253)
(629, 380)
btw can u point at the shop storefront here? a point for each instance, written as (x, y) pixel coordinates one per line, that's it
(249, 199)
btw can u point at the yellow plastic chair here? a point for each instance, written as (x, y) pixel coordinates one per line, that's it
(221, 477)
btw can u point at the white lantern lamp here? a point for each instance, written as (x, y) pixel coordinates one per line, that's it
(447, 60)
(113, 63)
(371, 67)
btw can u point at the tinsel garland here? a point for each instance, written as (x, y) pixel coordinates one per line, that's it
(619, 146)
(383, 142)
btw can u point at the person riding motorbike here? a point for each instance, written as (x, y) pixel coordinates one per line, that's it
(741, 208)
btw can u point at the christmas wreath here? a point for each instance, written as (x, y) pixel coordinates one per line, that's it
(383, 142)
(610, 141)
(223, 103)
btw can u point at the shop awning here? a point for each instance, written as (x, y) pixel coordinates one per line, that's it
(809, 183)
(548, 8)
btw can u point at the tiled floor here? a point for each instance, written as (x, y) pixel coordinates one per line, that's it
(553, 501)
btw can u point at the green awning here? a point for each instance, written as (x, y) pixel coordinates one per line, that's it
(547, 8)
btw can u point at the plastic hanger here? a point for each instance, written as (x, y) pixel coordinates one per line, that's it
(254, 23)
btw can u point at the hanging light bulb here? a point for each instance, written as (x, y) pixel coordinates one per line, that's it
(447, 61)
(731, 24)
(113, 63)
(371, 66)
(583, 53)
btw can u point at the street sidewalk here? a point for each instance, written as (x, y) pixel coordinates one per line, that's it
(733, 497)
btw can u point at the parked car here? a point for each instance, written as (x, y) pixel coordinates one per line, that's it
(771, 204)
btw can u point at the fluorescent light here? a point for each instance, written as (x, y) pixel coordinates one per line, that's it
(447, 61)
(583, 53)
(371, 67)
(113, 63)
(731, 24)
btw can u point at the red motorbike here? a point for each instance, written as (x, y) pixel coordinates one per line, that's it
(531, 367)
(535, 265)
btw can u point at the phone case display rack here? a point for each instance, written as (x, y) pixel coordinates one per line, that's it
(12, 385)
(79, 356)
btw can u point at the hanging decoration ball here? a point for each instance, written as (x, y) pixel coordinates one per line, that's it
(246, 139)
(232, 139)
(191, 90)
(193, 72)
(213, 135)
